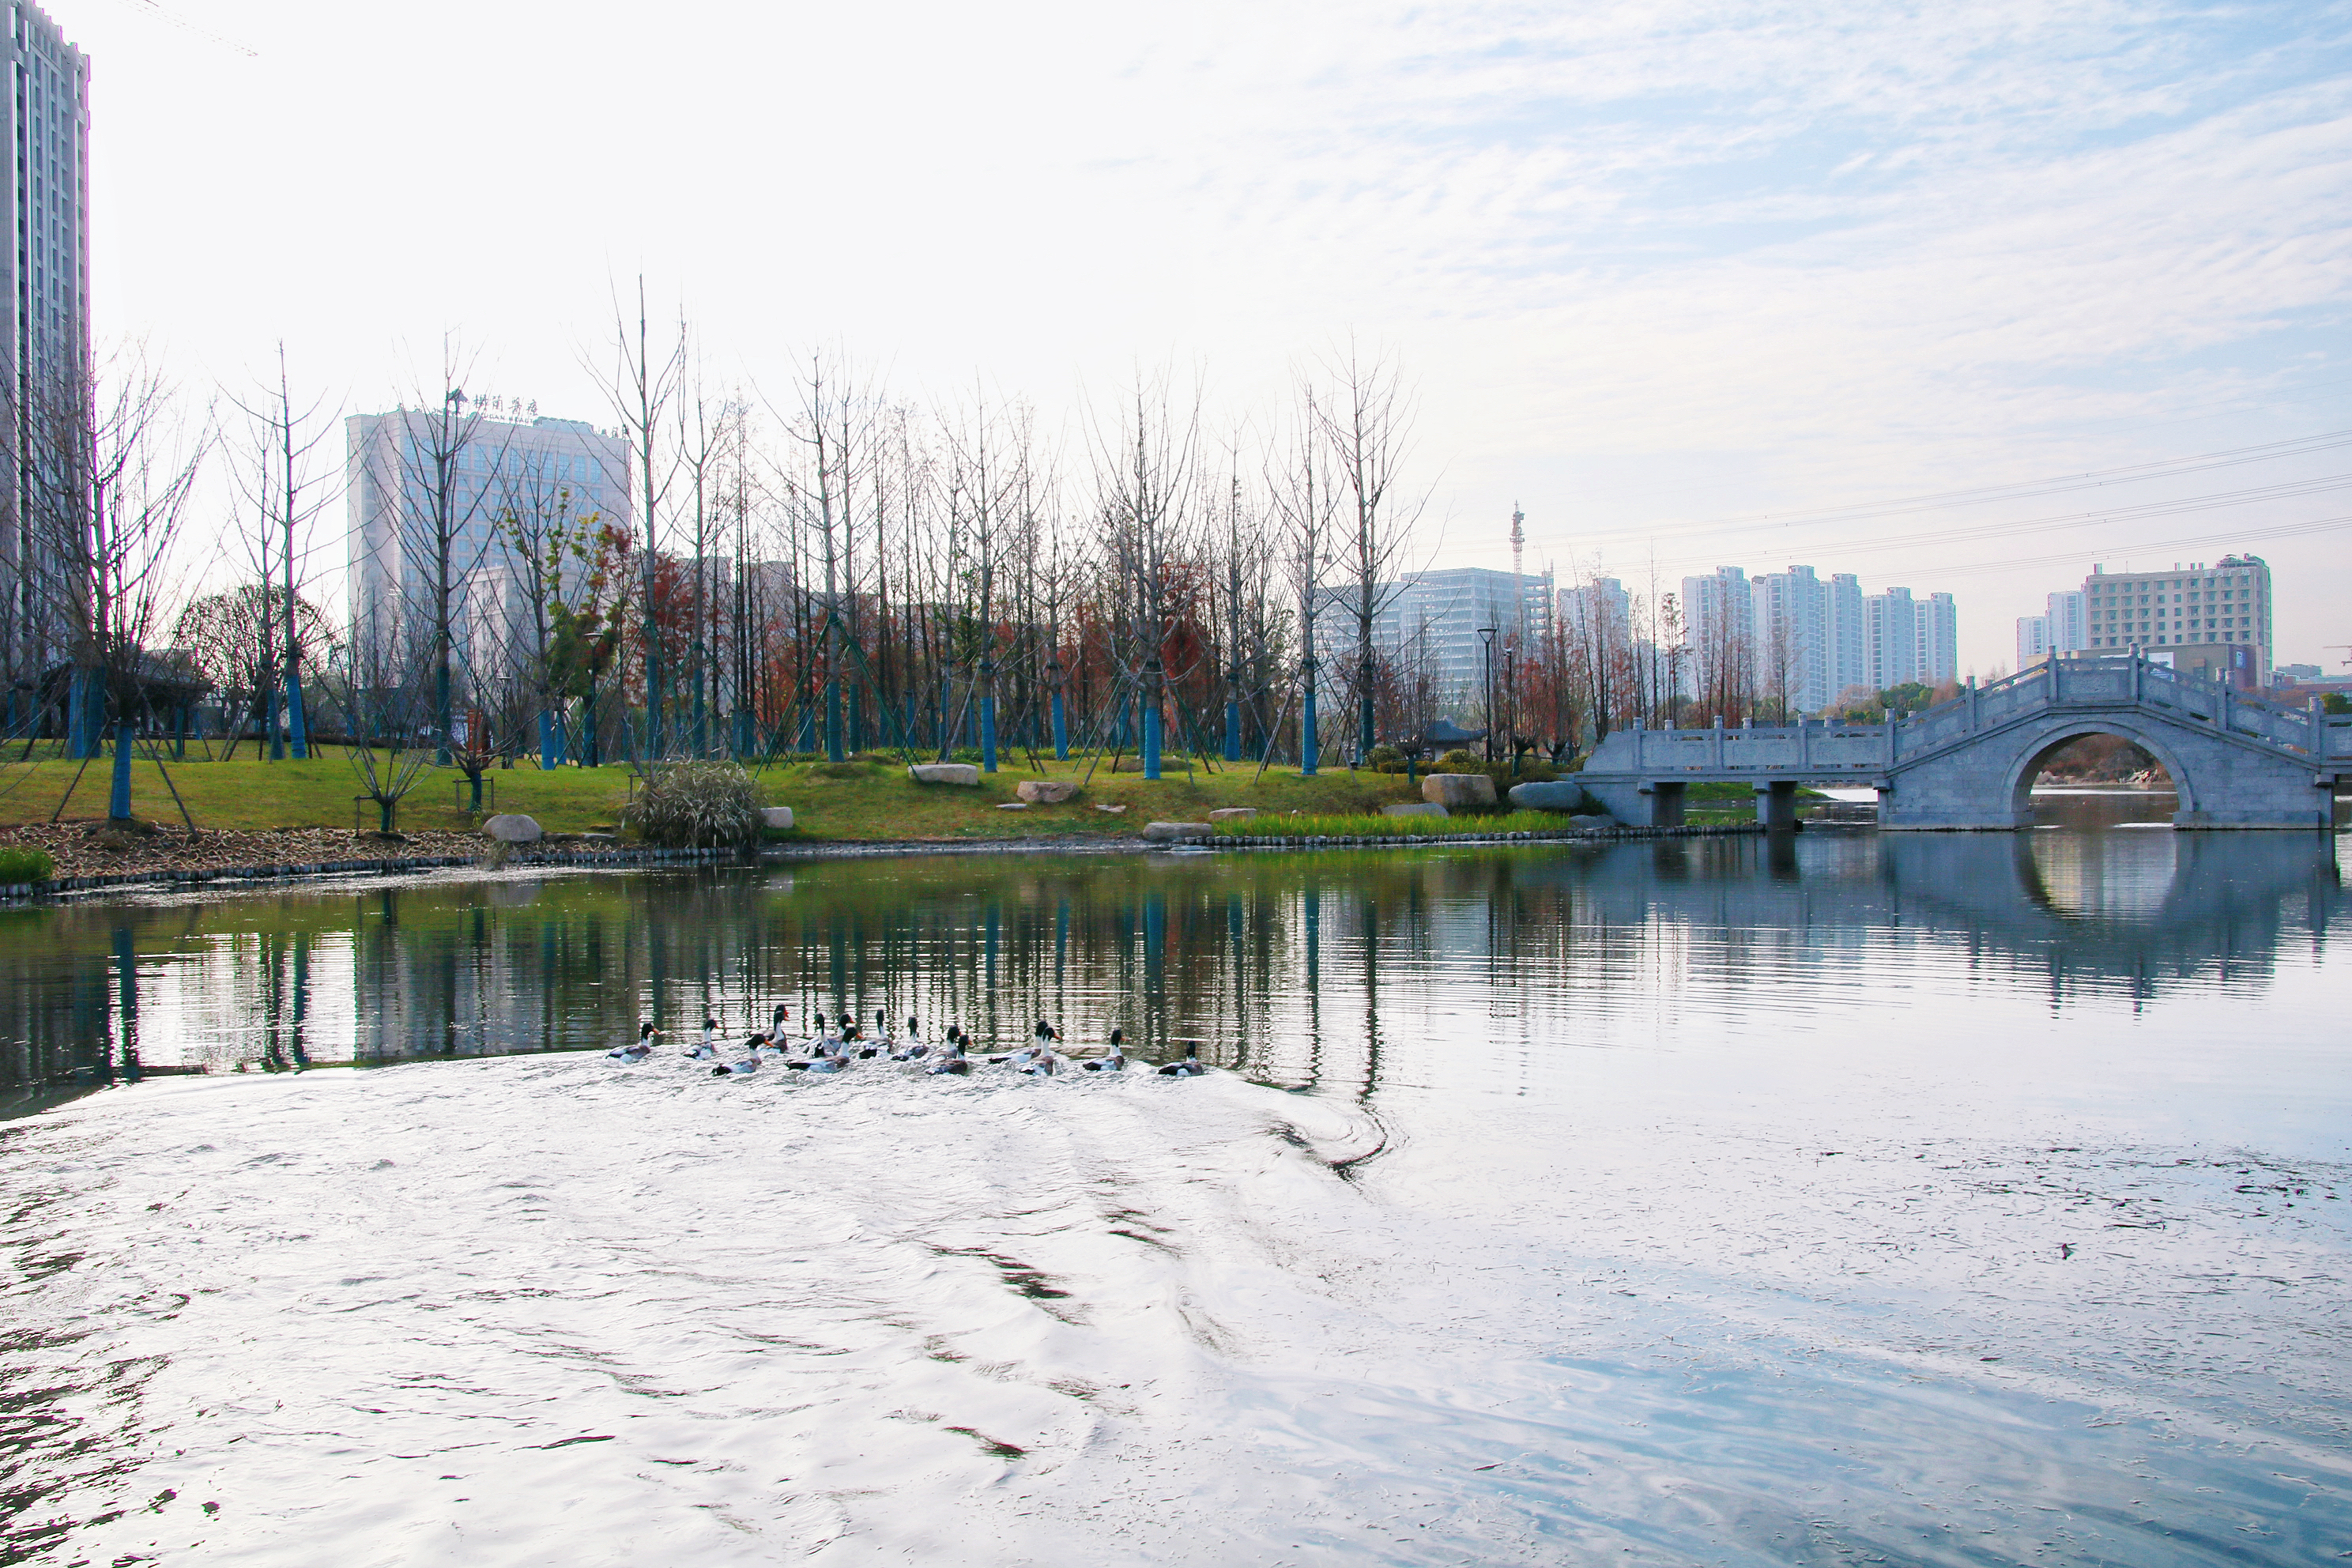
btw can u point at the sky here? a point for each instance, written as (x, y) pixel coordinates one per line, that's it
(1689, 284)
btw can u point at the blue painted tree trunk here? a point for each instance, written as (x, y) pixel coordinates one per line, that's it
(297, 724)
(746, 738)
(988, 734)
(1307, 749)
(1061, 731)
(1232, 731)
(550, 741)
(833, 751)
(117, 801)
(1151, 740)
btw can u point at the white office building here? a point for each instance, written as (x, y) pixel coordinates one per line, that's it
(488, 485)
(2215, 618)
(47, 273)
(1439, 620)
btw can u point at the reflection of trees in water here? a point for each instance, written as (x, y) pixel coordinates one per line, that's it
(1300, 969)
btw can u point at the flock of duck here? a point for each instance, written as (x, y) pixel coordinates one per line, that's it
(834, 1046)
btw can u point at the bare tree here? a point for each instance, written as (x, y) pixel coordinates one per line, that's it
(1306, 496)
(1367, 419)
(277, 481)
(109, 461)
(642, 388)
(1145, 476)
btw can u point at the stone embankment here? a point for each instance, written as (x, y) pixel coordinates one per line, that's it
(167, 859)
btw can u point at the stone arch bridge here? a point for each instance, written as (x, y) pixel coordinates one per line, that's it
(1971, 763)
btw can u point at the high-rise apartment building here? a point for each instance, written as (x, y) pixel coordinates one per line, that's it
(1849, 634)
(490, 487)
(1719, 629)
(47, 272)
(1890, 638)
(2216, 618)
(1938, 640)
(1793, 655)
(2032, 640)
(2070, 631)
(1601, 612)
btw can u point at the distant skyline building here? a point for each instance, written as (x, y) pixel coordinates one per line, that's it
(543, 474)
(48, 281)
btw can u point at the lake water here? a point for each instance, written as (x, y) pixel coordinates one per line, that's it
(1915, 1199)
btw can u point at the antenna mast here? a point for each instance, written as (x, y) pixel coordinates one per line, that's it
(1518, 571)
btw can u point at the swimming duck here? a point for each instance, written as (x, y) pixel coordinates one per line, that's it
(638, 1050)
(913, 1048)
(1116, 1060)
(749, 1064)
(709, 1049)
(1189, 1067)
(953, 1060)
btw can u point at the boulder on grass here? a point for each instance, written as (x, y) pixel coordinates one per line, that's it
(964, 774)
(1458, 789)
(776, 818)
(1047, 792)
(1559, 795)
(1592, 824)
(1231, 813)
(512, 827)
(1429, 808)
(1175, 832)
(1012, 805)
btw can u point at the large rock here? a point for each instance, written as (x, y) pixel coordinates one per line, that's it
(1047, 792)
(1592, 824)
(1231, 813)
(512, 829)
(965, 774)
(1426, 810)
(1458, 789)
(776, 818)
(1175, 832)
(1560, 794)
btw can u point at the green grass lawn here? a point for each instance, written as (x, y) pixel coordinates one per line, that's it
(846, 803)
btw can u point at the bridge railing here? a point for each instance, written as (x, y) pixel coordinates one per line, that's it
(1819, 749)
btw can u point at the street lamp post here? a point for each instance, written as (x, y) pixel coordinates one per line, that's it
(1486, 681)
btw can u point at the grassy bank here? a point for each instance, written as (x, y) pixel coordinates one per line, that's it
(845, 803)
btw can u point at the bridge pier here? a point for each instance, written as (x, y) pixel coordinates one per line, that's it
(1776, 806)
(1665, 802)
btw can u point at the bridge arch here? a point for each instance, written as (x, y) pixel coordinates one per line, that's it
(2053, 738)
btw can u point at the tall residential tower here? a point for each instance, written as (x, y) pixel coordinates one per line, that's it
(48, 276)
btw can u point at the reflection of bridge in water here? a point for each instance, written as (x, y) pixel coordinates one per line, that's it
(1297, 966)
(1971, 763)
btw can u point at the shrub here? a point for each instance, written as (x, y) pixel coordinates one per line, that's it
(1384, 760)
(1459, 760)
(26, 864)
(695, 805)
